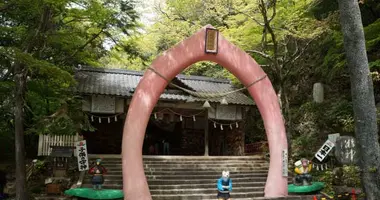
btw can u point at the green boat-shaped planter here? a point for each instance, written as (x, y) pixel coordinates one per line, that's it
(89, 193)
(306, 189)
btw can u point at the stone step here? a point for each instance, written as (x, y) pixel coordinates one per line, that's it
(190, 166)
(188, 173)
(152, 182)
(182, 186)
(187, 161)
(51, 197)
(290, 197)
(206, 196)
(201, 168)
(187, 181)
(195, 158)
(191, 177)
(183, 177)
(205, 190)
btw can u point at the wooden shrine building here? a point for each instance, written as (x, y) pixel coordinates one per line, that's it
(186, 122)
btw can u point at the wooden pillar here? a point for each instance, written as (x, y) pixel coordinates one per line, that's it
(206, 133)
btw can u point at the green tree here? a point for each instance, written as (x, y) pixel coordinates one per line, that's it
(40, 43)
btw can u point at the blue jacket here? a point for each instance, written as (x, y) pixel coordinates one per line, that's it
(221, 183)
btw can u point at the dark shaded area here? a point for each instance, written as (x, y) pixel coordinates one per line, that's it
(156, 132)
(370, 10)
(3, 181)
(106, 139)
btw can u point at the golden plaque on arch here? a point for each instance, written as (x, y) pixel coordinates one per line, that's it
(211, 43)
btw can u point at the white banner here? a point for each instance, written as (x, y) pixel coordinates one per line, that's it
(284, 162)
(324, 150)
(82, 156)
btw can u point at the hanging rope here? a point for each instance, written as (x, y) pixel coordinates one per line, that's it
(104, 117)
(170, 110)
(216, 124)
(204, 95)
(224, 124)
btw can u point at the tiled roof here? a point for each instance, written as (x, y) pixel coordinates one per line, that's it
(120, 82)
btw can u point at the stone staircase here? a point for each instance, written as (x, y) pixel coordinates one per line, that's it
(191, 177)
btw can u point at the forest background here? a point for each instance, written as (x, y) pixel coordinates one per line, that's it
(297, 42)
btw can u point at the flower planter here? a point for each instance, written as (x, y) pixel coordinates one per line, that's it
(53, 188)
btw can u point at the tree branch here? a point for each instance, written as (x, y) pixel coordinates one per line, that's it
(110, 36)
(249, 16)
(87, 43)
(268, 29)
(298, 53)
(262, 54)
(274, 10)
(179, 17)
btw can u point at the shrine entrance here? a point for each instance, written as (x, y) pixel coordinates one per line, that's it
(205, 45)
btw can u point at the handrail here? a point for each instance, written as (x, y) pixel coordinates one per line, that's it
(30, 169)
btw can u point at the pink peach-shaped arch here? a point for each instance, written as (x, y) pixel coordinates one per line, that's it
(171, 63)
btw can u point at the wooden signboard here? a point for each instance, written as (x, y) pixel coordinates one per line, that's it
(225, 112)
(82, 156)
(284, 162)
(103, 104)
(211, 43)
(345, 150)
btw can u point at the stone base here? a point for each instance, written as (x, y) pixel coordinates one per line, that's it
(292, 197)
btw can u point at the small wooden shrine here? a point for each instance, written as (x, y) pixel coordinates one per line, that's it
(61, 155)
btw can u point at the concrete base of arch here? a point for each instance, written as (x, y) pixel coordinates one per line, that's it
(171, 63)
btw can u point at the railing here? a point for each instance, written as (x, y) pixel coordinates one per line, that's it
(46, 141)
(255, 148)
(30, 169)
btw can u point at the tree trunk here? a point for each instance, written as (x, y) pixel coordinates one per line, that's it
(20, 77)
(362, 97)
(285, 110)
(288, 123)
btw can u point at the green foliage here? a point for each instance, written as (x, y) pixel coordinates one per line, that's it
(351, 178)
(50, 38)
(327, 178)
(40, 165)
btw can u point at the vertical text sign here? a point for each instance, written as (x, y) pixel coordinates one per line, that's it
(82, 156)
(285, 162)
(346, 150)
(324, 150)
(211, 40)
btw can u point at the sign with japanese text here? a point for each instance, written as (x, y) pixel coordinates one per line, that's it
(211, 40)
(324, 150)
(285, 163)
(103, 104)
(346, 151)
(82, 156)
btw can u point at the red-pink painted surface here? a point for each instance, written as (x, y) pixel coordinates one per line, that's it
(171, 63)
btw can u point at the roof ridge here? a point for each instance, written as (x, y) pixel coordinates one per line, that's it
(203, 78)
(141, 73)
(112, 70)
